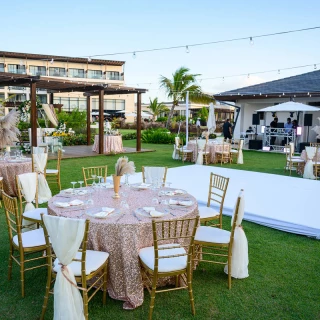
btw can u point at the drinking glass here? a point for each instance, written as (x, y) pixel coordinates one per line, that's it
(155, 201)
(169, 184)
(73, 184)
(94, 180)
(164, 202)
(80, 182)
(124, 206)
(99, 180)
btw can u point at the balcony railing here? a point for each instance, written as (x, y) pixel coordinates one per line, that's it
(115, 77)
(57, 74)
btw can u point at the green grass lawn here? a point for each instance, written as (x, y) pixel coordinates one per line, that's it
(283, 280)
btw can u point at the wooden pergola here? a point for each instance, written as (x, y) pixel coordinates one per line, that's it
(54, 85)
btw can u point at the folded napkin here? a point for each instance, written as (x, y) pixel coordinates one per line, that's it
(82, 192)
(144, 185)
(107, 185)
(76, 202)
(173, 193)
(70, 190)
(104, 213)
(185, 203)
(62, 204)
(178, 191)
(148, 209)
(155, 213)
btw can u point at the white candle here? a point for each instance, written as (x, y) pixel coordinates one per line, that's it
(8, 149)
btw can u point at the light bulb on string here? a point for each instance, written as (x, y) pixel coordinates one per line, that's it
(279, 71)
(89, 59)
(248, 75)
(315, 67)
(134, 55)
(223, 79)
(51, 61)
(187, 49)
(251, 41)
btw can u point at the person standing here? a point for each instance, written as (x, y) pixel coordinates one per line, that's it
(287, 130)
(273, 125)
(227, 130)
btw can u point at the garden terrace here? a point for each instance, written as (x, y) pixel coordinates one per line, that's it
(53, 85)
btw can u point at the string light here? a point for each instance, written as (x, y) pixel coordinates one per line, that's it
(315, 67)
(251, 41)
(134, 55)
(89, 59)
(51, 61)
(187, 49)
(210, 42)
(279, 71)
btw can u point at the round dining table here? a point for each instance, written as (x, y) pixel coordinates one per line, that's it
(9, 169)
(111, 144)
(212, 147)
(124, 232)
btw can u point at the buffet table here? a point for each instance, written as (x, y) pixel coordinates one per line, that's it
(123, 233)
(9, 169)
(111, 144)
(212, 146)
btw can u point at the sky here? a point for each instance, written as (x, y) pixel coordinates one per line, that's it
(86, 28)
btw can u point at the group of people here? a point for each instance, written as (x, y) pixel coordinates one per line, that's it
(287, 126)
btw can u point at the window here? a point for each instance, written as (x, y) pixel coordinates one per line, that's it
(37, 71)
(94, 74)
(70, 104)
(109, 104)
(16, 68)
(1, 67)
(76, 73)
(42, 98)
(18, 97)
(114, 75)
(57, 72)
(1, 96)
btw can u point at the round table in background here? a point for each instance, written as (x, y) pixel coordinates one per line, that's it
(9, 169)
(123, 235)
(111, 144)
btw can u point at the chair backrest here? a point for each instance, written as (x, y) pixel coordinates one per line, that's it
(91, 173)
(38, 157)
(217, 190)
(27, 181)
(180, 232)
(288, 151)
(59, 159)
(160, 173)
(315, 144)
(177, 141)
(40, 149)
(202, 144)
(239, 206)
(12, 218)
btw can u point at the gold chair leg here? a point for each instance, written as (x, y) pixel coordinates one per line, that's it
(153, 296)
(22, 276)
(59, 182)
(85, 303)
(46, 296)
(189, 280)
(229, 272)
(105, 278)
(177, 281)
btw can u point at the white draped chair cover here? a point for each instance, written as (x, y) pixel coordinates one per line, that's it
(291, 148)
(28, 183)
(44, 192)
(38, 150)
(201, 143)
(308, 168)
(175, 154)
(153, 174)
(240, 257)
(240, 154)
(66, 236)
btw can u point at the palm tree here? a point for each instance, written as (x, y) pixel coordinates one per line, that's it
(156, 108)
(177, 88)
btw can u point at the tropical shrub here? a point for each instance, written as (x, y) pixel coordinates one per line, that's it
(77, 120)
(159, 136)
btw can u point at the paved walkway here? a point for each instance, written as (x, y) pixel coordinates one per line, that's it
(86, 151)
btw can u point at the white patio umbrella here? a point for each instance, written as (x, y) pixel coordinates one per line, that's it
(211, 124)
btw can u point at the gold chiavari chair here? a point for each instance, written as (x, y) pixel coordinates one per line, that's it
(217, 191)
(222, 154)
(217, 244)
(184, 153)
(22, 244)
(87, 265)
(33, 215)
(315, 144)
(54, 174)
(290, 161)
(202, 146)
(91, 173)
(169, 259)
(147, 171)
(316, 162)
(234, 151)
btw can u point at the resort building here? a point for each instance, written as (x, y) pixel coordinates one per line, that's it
(92, 71)
(303, 88)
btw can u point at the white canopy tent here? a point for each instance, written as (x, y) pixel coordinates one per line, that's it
(290, 106)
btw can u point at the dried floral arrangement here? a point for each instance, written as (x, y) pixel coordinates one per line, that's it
(8, 128)
(124, 166)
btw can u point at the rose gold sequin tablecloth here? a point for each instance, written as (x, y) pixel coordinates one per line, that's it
(111, 144)
(9, 170)
(211, 147)
(123, 235)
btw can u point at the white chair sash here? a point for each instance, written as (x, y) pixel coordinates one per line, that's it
(66, 236)
(201, 145)
(28, 183)
(175, 154)
(40, 161)
(153, 174)
(36, 150)
(308, 168)
(240, 154)
(240, 257)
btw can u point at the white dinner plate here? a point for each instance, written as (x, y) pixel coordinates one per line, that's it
(144, 213)
(93, 211)
(181, 206)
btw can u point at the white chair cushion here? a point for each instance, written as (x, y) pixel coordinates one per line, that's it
(207, 212)
(167, 264)
(35, 214)
(296, 160)
(94, 260)
(214, 235)
(52, 171)
(30, 239)
(234, 151)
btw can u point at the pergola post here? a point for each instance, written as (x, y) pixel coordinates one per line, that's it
(88, 121)
(51, 98)
(101, 120)
(138, 147)
(34, 113)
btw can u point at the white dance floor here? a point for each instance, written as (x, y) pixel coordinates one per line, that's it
(280, 202)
